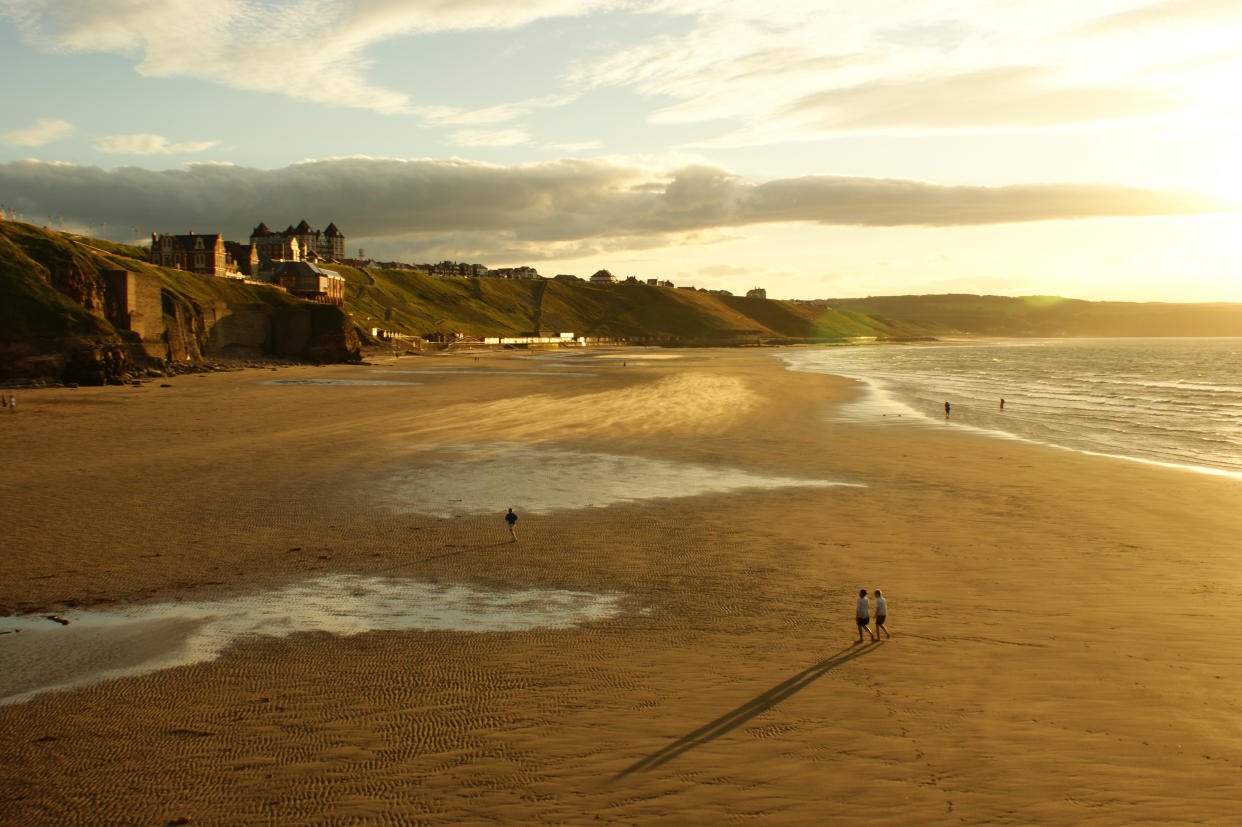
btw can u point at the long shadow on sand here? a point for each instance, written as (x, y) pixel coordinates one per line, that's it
(761, 703)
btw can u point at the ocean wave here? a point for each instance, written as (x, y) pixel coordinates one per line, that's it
(1127, 398)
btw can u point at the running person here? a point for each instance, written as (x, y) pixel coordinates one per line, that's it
(511, 519)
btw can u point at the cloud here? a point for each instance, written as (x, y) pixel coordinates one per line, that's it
(580, 146)
(558, 209)
(487, 115)
(1002, 97)
(728, 270)
(148, 144)
(1164, 14)
(490, 137)
(812, 69)
(758, 72)
(43, 131)
(312, 50)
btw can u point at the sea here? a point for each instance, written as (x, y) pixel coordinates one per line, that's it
(1174, 402)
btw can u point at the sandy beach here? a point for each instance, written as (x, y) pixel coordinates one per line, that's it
(1066, 628)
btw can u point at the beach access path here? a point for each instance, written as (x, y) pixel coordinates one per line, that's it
(1066, 628)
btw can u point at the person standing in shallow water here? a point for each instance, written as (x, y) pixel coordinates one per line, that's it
(881, 614)
(862, 614)
(511, 519)
(946, 410)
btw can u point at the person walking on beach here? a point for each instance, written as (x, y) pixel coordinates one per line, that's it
(946, 410)
(511, 519)
(12, 403)
(862, 614)
(881, 614)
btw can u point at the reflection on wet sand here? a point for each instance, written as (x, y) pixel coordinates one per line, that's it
(541, 479)
(45, 655)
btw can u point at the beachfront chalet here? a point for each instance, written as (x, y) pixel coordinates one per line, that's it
(204, 254)
(307, 281)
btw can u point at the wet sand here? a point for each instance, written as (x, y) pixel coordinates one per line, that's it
(1066, 628)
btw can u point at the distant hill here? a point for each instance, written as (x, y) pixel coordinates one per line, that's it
(1048, 316)
(415, 303)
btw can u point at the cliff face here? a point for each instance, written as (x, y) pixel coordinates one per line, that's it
(74, 313)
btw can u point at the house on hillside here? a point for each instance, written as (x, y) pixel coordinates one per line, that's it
(454, 269)
(306, 243)
(272, 247)
(308, 281)
(204, 254)
(523, 272)
(603, 277)
(245, 256)
(756, 293)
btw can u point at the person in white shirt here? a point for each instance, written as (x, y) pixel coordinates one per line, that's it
(881, 614)
(862, 614)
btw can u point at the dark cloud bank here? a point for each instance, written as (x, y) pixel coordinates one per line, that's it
(564, 203)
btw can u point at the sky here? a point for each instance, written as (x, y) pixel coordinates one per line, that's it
(823, 149)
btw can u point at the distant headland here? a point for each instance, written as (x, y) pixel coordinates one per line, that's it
(75, 309)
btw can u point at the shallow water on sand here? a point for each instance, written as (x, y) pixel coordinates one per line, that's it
(342, 382)
(468, 372)
(541, 479)
(98, 645)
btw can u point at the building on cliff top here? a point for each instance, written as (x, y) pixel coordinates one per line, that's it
(245, 256)
(204, 254)
(311, 245)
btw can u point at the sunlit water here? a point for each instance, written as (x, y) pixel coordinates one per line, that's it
(1171, 401)
(473, 479)
(97, 645)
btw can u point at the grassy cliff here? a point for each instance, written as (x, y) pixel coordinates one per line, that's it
(76, 309)
(414, 303)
